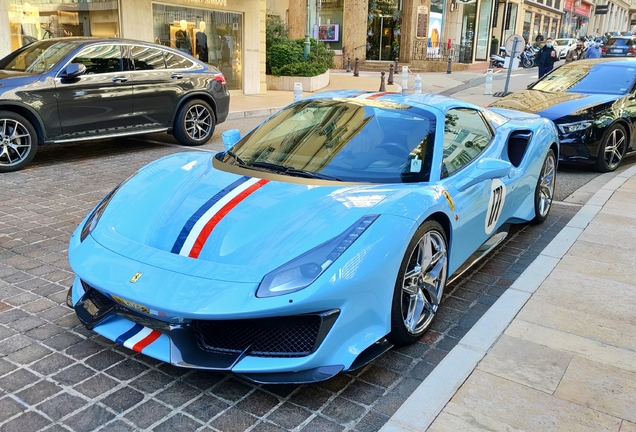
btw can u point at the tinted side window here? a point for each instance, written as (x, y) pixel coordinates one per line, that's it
(175, 61)
(101, 59)
(465, 136)
(146, 58)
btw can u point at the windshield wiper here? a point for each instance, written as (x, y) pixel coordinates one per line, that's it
(236, 158)
(292, 171)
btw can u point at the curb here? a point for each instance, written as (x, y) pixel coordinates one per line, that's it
(419, 411)
(237, 115)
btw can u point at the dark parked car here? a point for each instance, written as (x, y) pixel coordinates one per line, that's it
(74, 89)
(620, 46)
(593, 103)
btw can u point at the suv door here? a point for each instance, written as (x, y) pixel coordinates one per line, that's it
(158, 89)
(100, 101)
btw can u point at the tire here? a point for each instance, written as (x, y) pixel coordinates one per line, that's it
(195, 123)
(418, 288)
(527, 63)
(544, 192)
(18, 142)
(612, 150)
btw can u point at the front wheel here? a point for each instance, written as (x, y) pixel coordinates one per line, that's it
(420, 284)
(18, 142)
(544, 192)
(195, 123)
(527, 63)
(612, 149)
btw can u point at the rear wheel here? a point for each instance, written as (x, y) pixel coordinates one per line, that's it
(527, 63)
(612, 149)
(544, 192)
(195, 123)
(420, 284)
(18, 141)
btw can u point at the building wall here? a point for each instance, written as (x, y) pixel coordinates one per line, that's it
(278, 7)
(5, 32)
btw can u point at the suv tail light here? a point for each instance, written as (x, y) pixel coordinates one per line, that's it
(603, 49)
(219, 78)
(631, 51)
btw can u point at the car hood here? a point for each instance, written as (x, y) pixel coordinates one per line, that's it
(551, 105)
(254, 231)
(14, 78)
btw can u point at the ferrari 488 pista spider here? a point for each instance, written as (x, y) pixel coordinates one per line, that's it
(322, 238)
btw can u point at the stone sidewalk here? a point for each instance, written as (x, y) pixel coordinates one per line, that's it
(557, 351)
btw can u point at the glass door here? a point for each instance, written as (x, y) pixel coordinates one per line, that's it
(383, 31)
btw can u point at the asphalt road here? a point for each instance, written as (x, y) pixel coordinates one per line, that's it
(569, 180)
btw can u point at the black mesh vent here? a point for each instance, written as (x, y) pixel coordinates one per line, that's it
(99, 299)
(293, 336)
(517, 145)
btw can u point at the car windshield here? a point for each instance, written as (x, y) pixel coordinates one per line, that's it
(353, 140)
(599, 78)
(620, 42)
(38, 57)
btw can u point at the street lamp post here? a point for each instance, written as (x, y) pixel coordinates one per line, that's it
(307, 45)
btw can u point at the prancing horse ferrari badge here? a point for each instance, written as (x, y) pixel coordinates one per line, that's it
(136, 277)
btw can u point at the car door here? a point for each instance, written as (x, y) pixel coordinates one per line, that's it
(467, 138)
(98, 102)
(161, 81)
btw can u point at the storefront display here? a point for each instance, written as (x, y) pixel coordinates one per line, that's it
(36, 20)
(384, 28)
(483, 40)
(214, 37)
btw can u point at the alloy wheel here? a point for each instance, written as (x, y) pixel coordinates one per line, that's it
(546, 185)
(424, 281)
(15, 142)
(615, 148)
(198, 122)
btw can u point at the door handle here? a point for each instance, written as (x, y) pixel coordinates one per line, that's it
(120, 79)
(176, 75)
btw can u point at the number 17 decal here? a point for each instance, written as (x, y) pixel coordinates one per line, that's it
(495, 204)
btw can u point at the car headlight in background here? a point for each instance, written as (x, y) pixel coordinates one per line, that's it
(568, 128)
(300, 272)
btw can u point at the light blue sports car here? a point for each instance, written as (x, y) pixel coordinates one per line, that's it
(322, 238)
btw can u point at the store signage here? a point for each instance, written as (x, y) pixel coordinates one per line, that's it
(210, 2)
(601, 9)
(495, 15)
(422, 22)
(582, 10)
(508, 13)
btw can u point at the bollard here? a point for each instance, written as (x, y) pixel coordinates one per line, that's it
(488, 90)
(348, 64)
(355, 68)
(418, 84)
(405, 77)
(298, 91)
(396, 65)
(448, 69)
(382, 86)
(390, 80)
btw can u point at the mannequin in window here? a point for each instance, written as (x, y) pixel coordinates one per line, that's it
(202, 43)
(182, 39)
(225, 52)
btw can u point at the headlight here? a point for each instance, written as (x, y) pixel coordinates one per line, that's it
(568, 128)
(92, 220)
(300, 272)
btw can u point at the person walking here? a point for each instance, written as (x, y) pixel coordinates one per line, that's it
(594, 51)
(546, 58)
(575, 54)
(539, 38)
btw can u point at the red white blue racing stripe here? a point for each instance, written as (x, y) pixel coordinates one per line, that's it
(196, 231)
(138, 337)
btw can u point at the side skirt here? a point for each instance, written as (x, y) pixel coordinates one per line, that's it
(481, 251)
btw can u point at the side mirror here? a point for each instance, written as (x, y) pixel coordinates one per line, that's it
(73, 70)
(486, 169)
(230, 137)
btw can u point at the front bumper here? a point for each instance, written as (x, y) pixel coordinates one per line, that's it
(211, 345)
(579, 148)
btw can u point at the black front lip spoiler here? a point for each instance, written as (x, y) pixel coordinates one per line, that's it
(184, 350)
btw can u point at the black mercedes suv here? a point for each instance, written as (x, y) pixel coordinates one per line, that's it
(73, 89)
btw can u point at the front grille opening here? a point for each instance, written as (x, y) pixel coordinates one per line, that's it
(100, 300)
(293, 336)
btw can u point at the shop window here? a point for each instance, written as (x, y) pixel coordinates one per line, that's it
(146, 58)
(101, 59)
(331, 16)
(35, 20)
(211, 36)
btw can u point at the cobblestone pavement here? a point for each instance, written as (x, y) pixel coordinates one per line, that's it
(55, 375)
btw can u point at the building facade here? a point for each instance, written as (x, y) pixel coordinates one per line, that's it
(229, 34)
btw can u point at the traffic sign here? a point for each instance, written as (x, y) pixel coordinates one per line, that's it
(515, 45)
